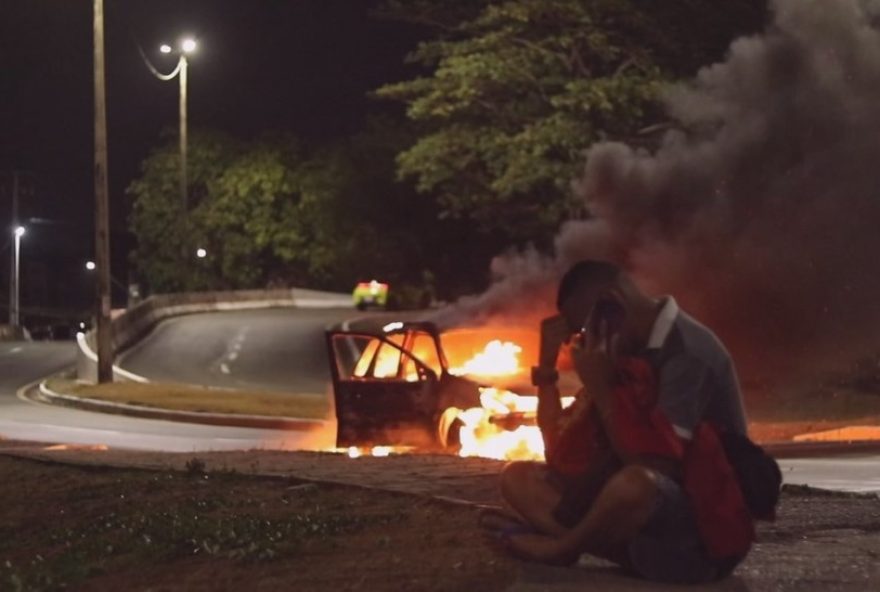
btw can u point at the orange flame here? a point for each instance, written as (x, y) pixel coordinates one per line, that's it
(503, 427)
(499, 358)
(488, 433)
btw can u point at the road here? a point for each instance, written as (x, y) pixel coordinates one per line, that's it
(280, 350)
(22, 363)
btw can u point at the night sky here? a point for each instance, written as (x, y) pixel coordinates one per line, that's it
(302, 66)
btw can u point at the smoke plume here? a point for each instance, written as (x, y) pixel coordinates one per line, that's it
(760, 210)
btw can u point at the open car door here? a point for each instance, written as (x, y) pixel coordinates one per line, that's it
(384, 393)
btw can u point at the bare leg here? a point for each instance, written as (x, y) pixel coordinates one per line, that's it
(526, 490)
(621, 510)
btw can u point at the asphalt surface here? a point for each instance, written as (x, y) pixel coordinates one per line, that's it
(278, 350)
(22, 363)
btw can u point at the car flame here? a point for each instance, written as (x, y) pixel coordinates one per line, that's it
(504, 426)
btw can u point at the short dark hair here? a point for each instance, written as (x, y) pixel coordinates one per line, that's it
(587, 271)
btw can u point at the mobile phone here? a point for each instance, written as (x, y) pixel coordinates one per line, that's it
(604, 321)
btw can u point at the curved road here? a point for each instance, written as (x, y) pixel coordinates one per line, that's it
(280, 350)
(275, 349)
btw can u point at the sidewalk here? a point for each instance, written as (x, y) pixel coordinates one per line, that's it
(821, 541)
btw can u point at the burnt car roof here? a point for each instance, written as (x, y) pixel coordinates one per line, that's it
(380, 327)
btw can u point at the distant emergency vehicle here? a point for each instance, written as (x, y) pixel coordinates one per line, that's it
(371, 293)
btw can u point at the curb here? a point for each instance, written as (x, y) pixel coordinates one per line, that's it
(793, 450)
(44, 394)
(779, 450)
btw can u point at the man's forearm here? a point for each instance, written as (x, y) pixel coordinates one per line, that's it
(604, 398)
(549, 412)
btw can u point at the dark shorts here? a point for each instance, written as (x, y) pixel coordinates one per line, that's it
(669, 547)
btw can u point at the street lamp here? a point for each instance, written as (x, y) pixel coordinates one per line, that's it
(187, 46)
(92, 266)
(201, 253)
(14, 284)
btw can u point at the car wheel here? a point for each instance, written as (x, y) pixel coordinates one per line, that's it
(448, 430)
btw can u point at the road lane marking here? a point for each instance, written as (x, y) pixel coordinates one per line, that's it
(224, 368)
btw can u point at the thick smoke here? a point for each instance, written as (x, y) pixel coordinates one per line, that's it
(760, 212)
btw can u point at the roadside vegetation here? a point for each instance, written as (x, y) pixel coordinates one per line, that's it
(180, 397)
(103, 529)
(471, 156)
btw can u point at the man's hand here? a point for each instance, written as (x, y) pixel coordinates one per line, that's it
(597, 371)
(554, 332)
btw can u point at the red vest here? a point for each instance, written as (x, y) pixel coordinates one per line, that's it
(725, 524)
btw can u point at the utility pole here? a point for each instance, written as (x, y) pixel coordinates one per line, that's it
(102, 217)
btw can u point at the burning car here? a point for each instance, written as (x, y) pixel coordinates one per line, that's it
(465, 391)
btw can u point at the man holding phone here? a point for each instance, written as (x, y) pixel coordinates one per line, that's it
(628, 508)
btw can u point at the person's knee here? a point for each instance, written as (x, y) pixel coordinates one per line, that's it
(515, 479)
(633, 486)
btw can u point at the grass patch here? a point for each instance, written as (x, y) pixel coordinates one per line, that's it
(107, 529)
(178, 397)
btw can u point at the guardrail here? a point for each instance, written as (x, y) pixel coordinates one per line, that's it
(133, 324)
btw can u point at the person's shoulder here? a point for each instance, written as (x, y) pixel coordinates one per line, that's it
(698, 342)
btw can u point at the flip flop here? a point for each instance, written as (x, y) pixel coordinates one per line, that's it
(502, 525)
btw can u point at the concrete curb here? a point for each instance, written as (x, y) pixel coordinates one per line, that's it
(44, 394)
(814, 449)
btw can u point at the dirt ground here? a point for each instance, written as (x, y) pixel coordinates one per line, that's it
(81, 528)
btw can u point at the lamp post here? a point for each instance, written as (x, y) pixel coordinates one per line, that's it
(14, 284)
(187, 46)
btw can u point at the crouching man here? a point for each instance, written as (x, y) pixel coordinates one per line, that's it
(631, 473)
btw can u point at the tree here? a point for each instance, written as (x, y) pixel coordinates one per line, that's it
(251, 226)
(519, 89)
(516, 95)
(163, 233)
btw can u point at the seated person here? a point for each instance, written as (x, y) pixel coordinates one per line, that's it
(615, 484)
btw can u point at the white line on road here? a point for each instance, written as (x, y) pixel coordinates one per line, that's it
(224, 368)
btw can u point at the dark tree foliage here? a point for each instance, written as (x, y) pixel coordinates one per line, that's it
(516, 90)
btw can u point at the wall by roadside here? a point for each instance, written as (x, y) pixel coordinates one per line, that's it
(10, 333)
(134, 324)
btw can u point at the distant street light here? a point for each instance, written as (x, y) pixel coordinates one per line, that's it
(91, 266)
(201, 253)
(14, 284)
(165, 48)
